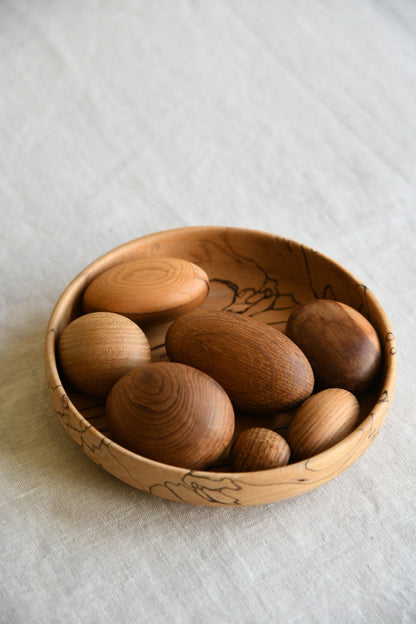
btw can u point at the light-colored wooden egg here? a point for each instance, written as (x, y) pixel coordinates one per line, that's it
(148, 290)
(97, 349)
(258, 448)
(171, 413)
(323, 420)
(339, 342)
(258, 366)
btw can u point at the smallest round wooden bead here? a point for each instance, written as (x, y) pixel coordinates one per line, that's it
(258, 448)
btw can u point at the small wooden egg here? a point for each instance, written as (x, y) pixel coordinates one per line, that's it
(323, 420)
(171, 413)
(97, 349)
(341, 345)
(259, 367)
(148, 290)
(258, 448)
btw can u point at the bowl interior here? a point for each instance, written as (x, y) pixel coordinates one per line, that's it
(254, 274)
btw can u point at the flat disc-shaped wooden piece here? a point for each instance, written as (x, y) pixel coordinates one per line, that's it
(148, 290)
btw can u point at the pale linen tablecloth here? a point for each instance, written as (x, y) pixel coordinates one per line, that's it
(124, 118)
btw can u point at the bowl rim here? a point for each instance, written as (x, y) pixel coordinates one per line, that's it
(79, 282)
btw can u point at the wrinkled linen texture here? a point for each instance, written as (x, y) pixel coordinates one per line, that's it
(123, 118)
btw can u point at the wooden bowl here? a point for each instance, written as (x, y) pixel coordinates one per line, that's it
(256, 274)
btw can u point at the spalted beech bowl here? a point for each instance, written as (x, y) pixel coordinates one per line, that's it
(255, 274)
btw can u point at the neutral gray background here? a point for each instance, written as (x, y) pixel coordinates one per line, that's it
(123, 118)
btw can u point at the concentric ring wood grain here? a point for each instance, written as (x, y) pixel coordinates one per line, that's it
(172, 413)
(257, 274)
(148, 290)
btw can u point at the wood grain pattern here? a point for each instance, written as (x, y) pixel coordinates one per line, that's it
(322, 421)
(148, 290)
(171, 413)
(258, 366)
(97, 349)
(258, 448)
(260, 276)
(341, 345)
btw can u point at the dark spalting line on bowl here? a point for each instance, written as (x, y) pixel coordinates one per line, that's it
(374, 431)
(287, 242)
(268, 289)
(83, 427)
(214, 490)
(390, 338)
(362, 291)
(80, 431)
(384, 397)
(328, 291)
(222, 490)
(256, 301)
(80, 439)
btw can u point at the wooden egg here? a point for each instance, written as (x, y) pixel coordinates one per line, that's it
(259, 448)
(171, 413)
(97, 349)
(155, 290)
(258, 366)
(322, 421)
(341, 345)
